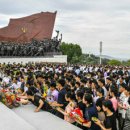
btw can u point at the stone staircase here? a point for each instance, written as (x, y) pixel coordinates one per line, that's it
(24, 118)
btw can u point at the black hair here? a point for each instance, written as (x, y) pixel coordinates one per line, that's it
(89, 81)
(29, 93)
(101, 90)
(17, 73)
(29, 83)
(102, 81)
(84, 80)
(123, 85)
(67, 87)
(78, 83)
(80, 94)
(0, 79)
(53, 84)
(128, 88)
(129, 100)
(70, 95)
(68, 78)
(62, 82)
(94, 81)
(47, 82)
(39, 76)
(72, 83)
(88, 98)
(109, 78)
(108, 104)
(114, 90)
(99, 103)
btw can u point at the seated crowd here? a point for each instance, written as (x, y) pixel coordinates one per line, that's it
(90, 97)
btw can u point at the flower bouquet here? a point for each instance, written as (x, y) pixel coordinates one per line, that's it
(77, 115)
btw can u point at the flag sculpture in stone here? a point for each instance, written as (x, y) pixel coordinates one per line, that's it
(37, 26)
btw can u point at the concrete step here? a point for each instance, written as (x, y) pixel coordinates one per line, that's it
(9, 120)
(42, 120)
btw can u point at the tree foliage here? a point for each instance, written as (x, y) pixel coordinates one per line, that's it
(126, 63)
(73, 51)
(74, 55)
(114, 62)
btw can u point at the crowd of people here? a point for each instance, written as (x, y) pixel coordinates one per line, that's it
(92, 97)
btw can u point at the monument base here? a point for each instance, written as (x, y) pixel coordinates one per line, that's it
(53, 59)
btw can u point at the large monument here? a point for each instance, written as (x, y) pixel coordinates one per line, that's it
(37, 26)
(30, 39)
(30, 36)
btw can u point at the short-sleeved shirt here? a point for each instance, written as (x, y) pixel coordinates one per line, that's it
(122, 99)
(115, 103)
(110, 122)
(37, 98)
(82, 106)
(14, 86)
(52, 96)
(55, 95)
(89, 113)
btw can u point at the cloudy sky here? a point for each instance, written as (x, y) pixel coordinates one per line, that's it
(85, 22)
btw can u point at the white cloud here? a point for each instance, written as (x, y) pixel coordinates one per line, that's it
(86, 22)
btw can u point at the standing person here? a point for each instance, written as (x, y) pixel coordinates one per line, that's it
(94, 88)
(127, 117)
(52, 93)
(101, 114)
(120, 104)
(69, 108)
(125, 105)
(61, 102)
(80, 104)
(100, 93)
(108, 83)
(113, 94)
(90, 112)
(101, 83)
(77, 85)
(110, 121)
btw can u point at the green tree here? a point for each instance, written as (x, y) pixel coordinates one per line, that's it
(114, 62)
(74, 55)
(127, 62)
(105, 61)
(73, 51)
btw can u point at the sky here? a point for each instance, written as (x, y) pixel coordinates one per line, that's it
(84, 22)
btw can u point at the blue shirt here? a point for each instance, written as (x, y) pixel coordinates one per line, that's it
(61, 97)
(89, 113)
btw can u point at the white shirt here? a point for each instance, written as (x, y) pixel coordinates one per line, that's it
(122, 99)
(105, 91)
(25, 89)
(125, 104)
(15, 86)
(19, 84)
(6, 80)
